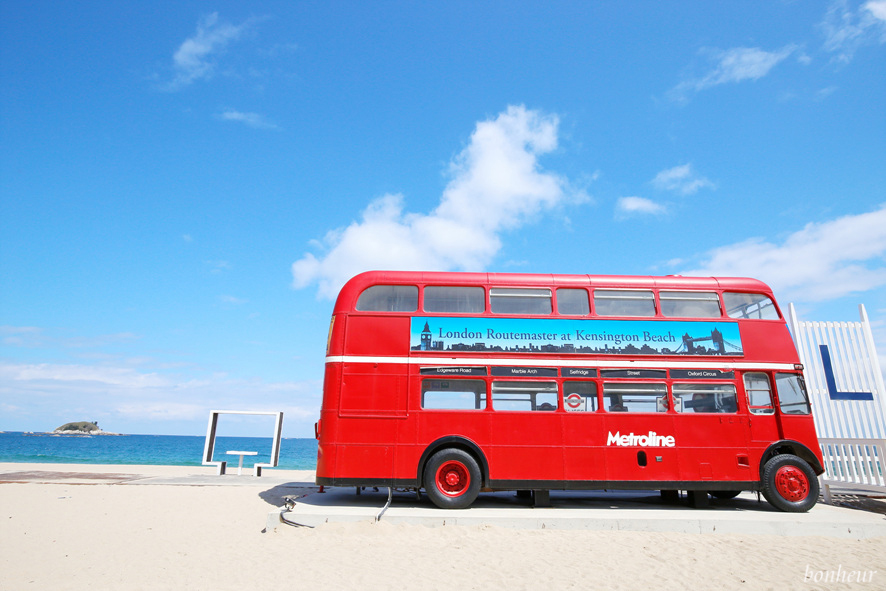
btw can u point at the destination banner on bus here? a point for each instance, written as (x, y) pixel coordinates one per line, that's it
(574, 336)
(702, 374)
(522, 372)
(453, 371)
(654, 374)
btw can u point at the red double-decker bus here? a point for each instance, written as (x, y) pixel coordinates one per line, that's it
(459, 383)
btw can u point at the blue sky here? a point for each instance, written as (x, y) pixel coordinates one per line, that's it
(185, 185)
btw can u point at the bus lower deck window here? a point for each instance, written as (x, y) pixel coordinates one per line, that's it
(580, 396)
(759, 393)
(705, 398)
(524, 395)
(453, 394)
(635, 397)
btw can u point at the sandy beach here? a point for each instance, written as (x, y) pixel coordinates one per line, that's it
(70, 527)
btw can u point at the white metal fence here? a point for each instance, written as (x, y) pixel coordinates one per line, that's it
(843, 376)
(845, 386)
(857, 464)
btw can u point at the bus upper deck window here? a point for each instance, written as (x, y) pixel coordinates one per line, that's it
(508, 300)
(792, 397)
(573, 302)
(750, 305)
(388, 298)
(690, 304)
(612, 302)
(453, 299)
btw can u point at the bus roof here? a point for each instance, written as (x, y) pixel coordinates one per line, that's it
(355, 286)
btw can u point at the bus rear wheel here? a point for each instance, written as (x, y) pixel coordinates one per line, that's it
(452, 479)
(790, 484)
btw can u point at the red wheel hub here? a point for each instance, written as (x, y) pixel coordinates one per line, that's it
(792, 483)
(453, 478)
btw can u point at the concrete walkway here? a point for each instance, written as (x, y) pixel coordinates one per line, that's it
(594, 510)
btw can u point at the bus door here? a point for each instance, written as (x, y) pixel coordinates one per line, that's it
(794, 416)
(639, 432)
(712, 436)
(763, 426)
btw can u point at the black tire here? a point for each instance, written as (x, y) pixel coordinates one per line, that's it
(725, 494)
(790, 484)
(452, 479)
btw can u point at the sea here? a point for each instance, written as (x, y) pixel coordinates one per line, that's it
(166, 450)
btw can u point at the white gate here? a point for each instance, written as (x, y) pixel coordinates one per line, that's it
(845, 386)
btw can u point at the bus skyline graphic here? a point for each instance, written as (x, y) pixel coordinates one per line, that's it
(570, 337)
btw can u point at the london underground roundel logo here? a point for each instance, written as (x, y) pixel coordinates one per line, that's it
(573, 401)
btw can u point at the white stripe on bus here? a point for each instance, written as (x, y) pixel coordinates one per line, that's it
(542, 362)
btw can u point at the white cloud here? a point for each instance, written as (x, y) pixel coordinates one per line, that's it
(29, 336)
(254, 120)
(681, 179)
(733, 65)
(824, 93)
(21, 336)
(877, 9)
(106, 376)
(217, 267)
(627, 206)
(232, 300)
(822, 261)
(192, 60)
(496, 184)
(847, 29)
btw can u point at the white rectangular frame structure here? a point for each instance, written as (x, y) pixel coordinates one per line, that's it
(209, 446)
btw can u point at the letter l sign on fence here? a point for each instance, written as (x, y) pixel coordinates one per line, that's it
(832, 381)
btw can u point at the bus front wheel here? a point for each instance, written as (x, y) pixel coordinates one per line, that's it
(790, 484)
(452, 479)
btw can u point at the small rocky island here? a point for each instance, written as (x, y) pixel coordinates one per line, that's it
(81, 428)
